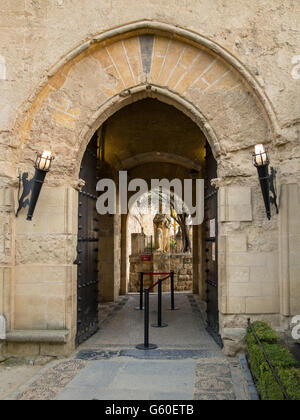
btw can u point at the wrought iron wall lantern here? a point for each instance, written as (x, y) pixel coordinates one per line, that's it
(267, 179)
(42, 166)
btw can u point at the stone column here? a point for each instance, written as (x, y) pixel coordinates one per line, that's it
(6, 261)
(289, 250)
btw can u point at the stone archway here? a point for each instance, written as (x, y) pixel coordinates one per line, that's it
(106, 73)
(90, 84)
(135, 132)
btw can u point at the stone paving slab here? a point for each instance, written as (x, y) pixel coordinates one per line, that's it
(125, 326)
(101, 394)
(192, 367)
(110, 379)
(122, 378)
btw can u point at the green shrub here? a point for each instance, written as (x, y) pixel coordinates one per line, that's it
(264, 333)
(280, 357)
(290, 379)
(256, 358)
(268, 387)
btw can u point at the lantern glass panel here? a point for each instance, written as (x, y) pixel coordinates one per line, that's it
(260, 155)
(43, 161)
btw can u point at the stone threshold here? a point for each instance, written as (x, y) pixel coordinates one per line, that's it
(159, 354)
(37, 336)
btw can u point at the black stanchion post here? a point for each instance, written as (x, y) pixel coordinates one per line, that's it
(173, 292)
(146, 345)
(159, 304)
(141, 291)
(159, 308)
(140, 308)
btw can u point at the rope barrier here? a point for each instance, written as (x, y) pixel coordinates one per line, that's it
(142, 275)
(157, 274)
(154, 285)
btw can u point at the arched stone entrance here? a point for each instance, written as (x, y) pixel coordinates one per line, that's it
(142, 60)
(179, 145)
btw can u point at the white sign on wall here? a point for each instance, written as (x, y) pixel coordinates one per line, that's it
(2, 328)
(213, 228)
(2, 68)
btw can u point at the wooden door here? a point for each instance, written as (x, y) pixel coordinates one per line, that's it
(87, 258)
(211, 243)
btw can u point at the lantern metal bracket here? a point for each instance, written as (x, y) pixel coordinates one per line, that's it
(268, 187)
(267, 180)
(34, 186)
(25, 185)
(273, 189)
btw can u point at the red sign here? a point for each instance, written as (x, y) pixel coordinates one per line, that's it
(146, 257)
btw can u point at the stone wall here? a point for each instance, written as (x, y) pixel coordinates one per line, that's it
(59, 85)
(268, 46)
(40, 291)
(248, 263)
(181, 264)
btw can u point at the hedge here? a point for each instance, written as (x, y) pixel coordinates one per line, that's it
(286, 366)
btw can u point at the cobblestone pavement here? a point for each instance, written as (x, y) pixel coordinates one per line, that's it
(53, 381)
(213, 380)
(187, 365)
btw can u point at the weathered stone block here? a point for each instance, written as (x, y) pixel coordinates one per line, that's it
(262, 305)
(236, 305)
(238, 274)
(21, 349)
(234, 334)
(245, 289)
(235, 204)
(237, 243)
